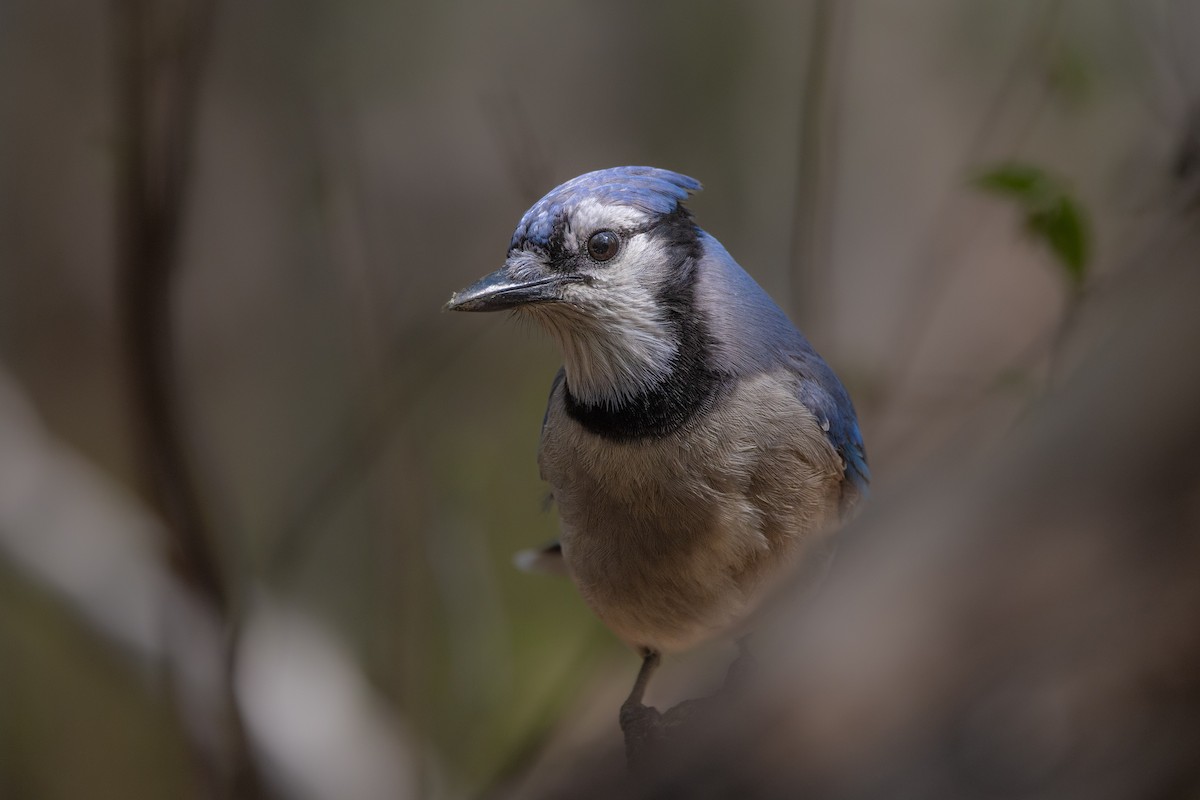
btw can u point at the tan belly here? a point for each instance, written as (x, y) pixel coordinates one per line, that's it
(664, 572)
(672, 541)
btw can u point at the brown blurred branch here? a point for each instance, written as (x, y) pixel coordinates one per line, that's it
(161, 50)
(352, 451)
(158, 117)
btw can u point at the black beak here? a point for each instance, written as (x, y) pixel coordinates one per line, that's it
(500, 290)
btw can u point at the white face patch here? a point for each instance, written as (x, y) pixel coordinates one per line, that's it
(591, 216)
(615, 340)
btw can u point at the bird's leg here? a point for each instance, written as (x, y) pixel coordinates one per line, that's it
(640, 723)
(633, 706)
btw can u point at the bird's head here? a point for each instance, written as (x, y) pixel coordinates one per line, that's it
(604, 263)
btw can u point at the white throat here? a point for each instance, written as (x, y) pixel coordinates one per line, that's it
(615, 340)
(611, 358)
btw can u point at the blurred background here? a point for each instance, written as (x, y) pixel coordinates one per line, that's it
(259, 496)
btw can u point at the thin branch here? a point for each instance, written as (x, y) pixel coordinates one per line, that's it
(932, 279)
(810, 245)
(358, 444)
(152, 188)
(1062, 335)
(350, 453)
(159, 73)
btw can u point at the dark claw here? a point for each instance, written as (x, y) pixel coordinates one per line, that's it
(649, 733)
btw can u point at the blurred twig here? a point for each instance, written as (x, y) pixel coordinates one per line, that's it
(1062, 334)
(932, 279)
(520, 148)
(161, 51)
(350, 453)
(358, 444)
(1152, 30)
(815, 160)
(158, 109)
(1186, 167)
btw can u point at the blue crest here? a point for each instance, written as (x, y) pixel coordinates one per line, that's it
(655, 191)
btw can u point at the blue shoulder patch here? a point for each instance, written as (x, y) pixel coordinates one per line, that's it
(656, 191)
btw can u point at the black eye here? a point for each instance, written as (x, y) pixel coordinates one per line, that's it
(603, 245)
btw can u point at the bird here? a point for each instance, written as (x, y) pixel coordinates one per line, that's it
(694, 442)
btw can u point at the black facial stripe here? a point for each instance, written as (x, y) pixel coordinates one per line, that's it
(563, 258)
(691, 388)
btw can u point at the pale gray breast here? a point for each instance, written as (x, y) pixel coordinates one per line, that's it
(671, 540)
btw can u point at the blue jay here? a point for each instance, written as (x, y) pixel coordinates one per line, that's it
(694, 442)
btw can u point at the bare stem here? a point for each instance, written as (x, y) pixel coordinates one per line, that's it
(933, 277)
(159, 68)
(810, 246)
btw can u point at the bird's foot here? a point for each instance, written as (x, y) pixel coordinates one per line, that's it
(642, 726)
(650, 734)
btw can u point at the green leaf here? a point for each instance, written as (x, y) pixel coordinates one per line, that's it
(1063, 229)
(1051, 214)
(1021, 182)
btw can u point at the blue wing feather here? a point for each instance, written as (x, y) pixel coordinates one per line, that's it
(754, 335)
(836, 414)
